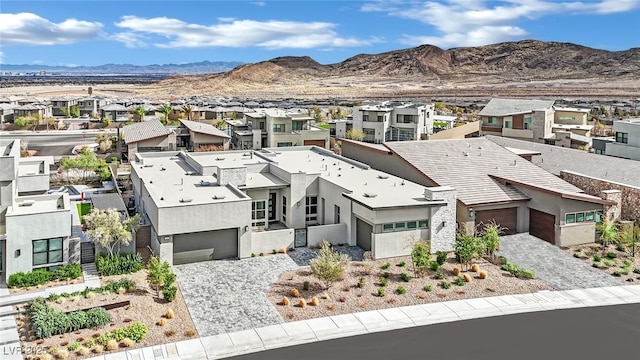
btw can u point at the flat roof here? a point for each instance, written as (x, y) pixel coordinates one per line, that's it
(36, 204)
(9, 147)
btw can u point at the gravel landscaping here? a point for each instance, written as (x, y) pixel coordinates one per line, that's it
(612, 260)
(347, 296)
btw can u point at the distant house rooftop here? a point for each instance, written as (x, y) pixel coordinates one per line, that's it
(203, 128)
(144, 130)
(506, 107)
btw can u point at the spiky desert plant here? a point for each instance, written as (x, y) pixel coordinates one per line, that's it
(475, 268)
(286, 301)
(162, 322)
(483, 274)
(325, 296)
(190, 333)
(98, 349)
(112, 345)
(61, 354)
(295, 293)
(456, 271)
(466, 277)
(302, 303)
(314, 301)
(170, 314)
(126, 342)
(283, 250)
(83, 351)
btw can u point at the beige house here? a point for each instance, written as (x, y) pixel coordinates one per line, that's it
(36, 110)
(146, 136)
(493, 184)
(193, 135)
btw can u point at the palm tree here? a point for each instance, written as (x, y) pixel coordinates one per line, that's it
(187, 110)
(141, 112)
(166, 109)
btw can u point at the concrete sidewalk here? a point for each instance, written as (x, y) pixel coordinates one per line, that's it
(300, 332)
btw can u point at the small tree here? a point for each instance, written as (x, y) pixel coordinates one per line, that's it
(630, 238)
(491, 238)
(608, 233)
(140, 112)
(187, 110)
(420, 256)
(159, 274)
(328, 266)
(165, 109)
(104, 140)
(316, 112)
(21, 122)
(74, 111)
(468, 247)
(106, 228)
(355, 134)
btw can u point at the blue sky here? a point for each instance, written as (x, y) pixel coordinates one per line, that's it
(151, 32)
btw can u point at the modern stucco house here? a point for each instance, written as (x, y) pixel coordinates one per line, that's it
(35, 228)
(493, 184)
(626, 143)
(394, 121)
(146, 136)
(216, 205)
(194, 134)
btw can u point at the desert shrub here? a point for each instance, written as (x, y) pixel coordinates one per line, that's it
(161, 322)
(113, 286)
(69, 271)
(169, 333)
(314, 301)
(578, 256)
(361, 283)
(383, 282)
(380, 292)
(466, 277)
(405, 277)
(83, 351)
(597, 258)
(283, 250)
(305, 286)
(169, 293)
(609, 262)
(512, 269)
(61, 354)
(400, 290)
(89, 343)
(190, 333)
(636, 271)
(42, 276)
(439, 275)
(328, 266)
(475, 268)
(401, 264)
(302, 303)
(98, 349)
(525, 273)
(611, 255)
(441, 257)
(170, 314)
(620, 247)
(253, 254)
(136, 332)
(46, 321)
(627, 263)
(386, 274)
(427, 288)
(385, 266)
(502, 260)
(112, 345)
(74, 346)
(445, 285)
(126, 342)
(434, 266)
(483, 274)
(286, 301)
(118, 264)
(456, 271)
(295, 293)
(595, 265)
(459, 281)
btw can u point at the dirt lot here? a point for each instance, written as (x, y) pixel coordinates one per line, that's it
(144, 308)
(346, 297)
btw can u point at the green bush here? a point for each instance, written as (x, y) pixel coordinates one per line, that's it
(118, 264)
(361, 283)
(636, 271)
(512, 269)
(597, 258)
(400, 290)
(42, 276)
(459, 280)
(305, 286)
(620, 247)
(627, 263)
(427, 288)
(380, 292)
(47, 321)
(445, 285)
(502, 260)
(405, 277)
(114, 285)
(596, 265)
(386, 274)
(385, 266)
(383, 281)
(439, 275)
(434, 266)
(74, 346)
(609, 262)
(136, 332)
(441, 257)
(401, 264)
(611, 255)
(525, 273)
(169, 292)
(89, 343)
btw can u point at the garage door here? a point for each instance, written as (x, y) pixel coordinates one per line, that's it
(363, 235)
(542, 225)
(319, 143)
(506, 218)
(203, 246)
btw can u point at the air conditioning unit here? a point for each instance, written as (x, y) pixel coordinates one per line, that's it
(186, 200)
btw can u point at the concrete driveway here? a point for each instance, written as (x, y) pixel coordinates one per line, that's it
(228, 295)
(551, 264)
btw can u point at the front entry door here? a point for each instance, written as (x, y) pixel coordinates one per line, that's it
(272, 206)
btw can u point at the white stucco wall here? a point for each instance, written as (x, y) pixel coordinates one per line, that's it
(267, 241)
(333, 233)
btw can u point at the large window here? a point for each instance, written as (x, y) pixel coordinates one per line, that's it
(380, 118)
(405, 225)
(297, 125)
(493, 120)
(622, 137)
(311, 212)
(258, 213)
(279, 128)
(48, 251)
(584, 216)
(566, 118)
(405, 119)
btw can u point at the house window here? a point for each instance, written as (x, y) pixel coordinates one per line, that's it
(423, 224)
(387, 227)
(380, 118)
(566, 118)
(278, 127)
(261, 125)
(336, 214)
(527, 123)
(369, 132)
(405, 119)
(493, 120)
(570, 218)
(587, 216)
(402, 226)
(284, 209)
(48, 251)
(258, 213)
(412, 224)
(296, 125)
(622, 137)
(311, 212)
(580, 217)
(365, 117)
(508, 124)
(284, 144)
(598, 216)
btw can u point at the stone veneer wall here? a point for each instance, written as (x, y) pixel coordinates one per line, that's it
(593, 186)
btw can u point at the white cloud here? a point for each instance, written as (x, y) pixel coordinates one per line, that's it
(478, 22)
(31, 29)
(130, 39)
(270, 34)
(259, 3)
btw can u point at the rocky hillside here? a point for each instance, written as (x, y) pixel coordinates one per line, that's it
(527, 60)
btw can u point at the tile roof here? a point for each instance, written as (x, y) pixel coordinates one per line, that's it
(204, 128)
(473, 166)
(144, 130)
(555, 159)
(505, 107)
(114, 107)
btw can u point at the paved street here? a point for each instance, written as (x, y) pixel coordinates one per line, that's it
(226, 296)
(587, 333)
(551, 264)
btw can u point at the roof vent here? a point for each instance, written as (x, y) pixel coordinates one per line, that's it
(148, 165)
(218, 197)
(186, 200)
(466, 153)
(370, 195)
(219, 158)
(205, 183)
(189, 172)
(383, 176)
(27, 203)
(174, 158)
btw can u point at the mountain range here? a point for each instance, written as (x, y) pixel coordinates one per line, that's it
(202, 67)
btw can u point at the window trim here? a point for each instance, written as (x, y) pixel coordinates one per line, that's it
(256, 221)
(587, 216)
(310, 216)
(405, 225)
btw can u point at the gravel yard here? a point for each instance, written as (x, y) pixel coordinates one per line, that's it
(347, 297)
(614, 261)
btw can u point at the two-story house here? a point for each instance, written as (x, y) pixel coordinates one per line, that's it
(61, 106)
(394, 122)
(92, 105)
(627, 140)
(517, 118)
